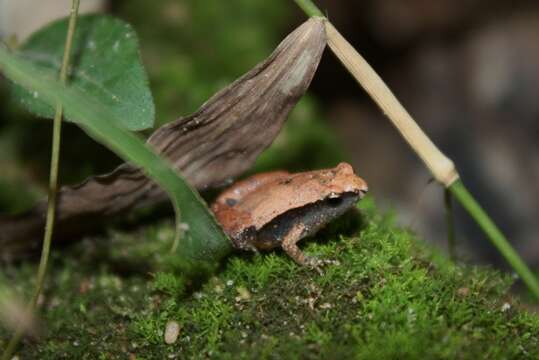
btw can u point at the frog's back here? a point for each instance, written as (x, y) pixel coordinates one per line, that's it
(284, 193)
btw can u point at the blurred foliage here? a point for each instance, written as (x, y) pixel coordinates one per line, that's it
(191, 50)
(205, 239)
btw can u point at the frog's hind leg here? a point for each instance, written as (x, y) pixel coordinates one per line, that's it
(290, 246)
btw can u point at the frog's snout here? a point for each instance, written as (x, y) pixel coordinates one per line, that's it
(359, 186)
(362, 191)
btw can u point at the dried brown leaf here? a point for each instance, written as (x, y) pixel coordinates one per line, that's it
(217, 143)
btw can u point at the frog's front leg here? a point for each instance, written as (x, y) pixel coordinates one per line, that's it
(245, 241)
(290, 246)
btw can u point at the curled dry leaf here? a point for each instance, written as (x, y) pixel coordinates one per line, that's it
(217, 143)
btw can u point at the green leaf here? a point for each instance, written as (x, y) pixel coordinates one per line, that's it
(204, 240)
(106, 66)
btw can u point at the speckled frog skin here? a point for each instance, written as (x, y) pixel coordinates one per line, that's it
(278, 209)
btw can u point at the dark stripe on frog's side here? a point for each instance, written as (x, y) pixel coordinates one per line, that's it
(313, 218)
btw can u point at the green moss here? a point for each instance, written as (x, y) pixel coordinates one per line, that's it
(385, 295)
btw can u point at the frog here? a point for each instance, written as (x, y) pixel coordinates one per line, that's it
(278, 209)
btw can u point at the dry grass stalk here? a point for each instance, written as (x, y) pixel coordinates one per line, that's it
(441, 167)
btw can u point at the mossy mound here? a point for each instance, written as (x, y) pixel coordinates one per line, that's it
(385, 295)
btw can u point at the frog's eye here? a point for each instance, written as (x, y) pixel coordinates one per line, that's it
(231, 202)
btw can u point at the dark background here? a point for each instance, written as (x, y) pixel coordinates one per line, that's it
(468, 71)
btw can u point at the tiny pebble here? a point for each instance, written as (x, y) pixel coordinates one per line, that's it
(464, 291)
(243, 293)
(172, 331)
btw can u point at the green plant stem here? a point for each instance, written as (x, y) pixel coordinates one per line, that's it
(478, 214)
(309, 8)
(53, 184)
(55, 159)
(450, 220)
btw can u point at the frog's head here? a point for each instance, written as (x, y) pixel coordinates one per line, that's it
(343, 180)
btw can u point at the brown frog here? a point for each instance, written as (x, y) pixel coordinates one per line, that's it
(278, 209)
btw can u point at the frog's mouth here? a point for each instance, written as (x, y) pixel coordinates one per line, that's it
(342, 202)
(361, 192)
(321, 212)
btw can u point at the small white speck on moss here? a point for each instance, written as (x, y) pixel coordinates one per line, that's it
(183, 226)
(326, 306)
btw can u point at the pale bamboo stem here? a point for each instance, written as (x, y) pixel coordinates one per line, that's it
(441, 167)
